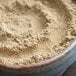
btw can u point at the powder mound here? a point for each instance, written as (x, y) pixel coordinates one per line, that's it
(34, 31)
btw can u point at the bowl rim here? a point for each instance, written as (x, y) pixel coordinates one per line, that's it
(43, 63)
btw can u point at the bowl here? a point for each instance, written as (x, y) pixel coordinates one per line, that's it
(51, 67)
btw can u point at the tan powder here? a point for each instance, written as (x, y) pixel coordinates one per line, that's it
(32, 31)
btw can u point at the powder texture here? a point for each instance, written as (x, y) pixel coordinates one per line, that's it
(32, 31)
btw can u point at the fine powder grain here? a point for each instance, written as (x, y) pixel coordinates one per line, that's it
(32, 31)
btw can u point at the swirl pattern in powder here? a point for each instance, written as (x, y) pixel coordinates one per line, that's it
(34, 31)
